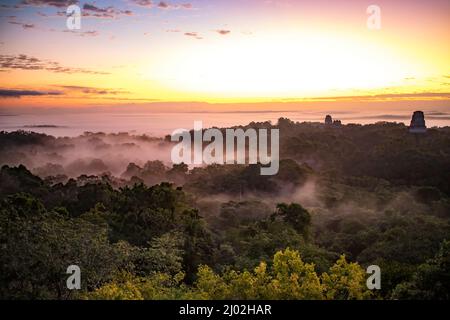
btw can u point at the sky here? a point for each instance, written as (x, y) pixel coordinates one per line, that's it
(249, 52)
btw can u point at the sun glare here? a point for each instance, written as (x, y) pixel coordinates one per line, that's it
(283, 66)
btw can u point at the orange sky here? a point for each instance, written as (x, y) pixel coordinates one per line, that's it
(139, 52)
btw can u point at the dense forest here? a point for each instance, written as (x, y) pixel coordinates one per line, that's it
(345, 197)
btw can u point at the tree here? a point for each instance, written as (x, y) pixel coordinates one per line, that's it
(431, 281)
(198, 246)
(288, 278)
(345, 281)
(37, 246)
(295, 215)
(294, 279)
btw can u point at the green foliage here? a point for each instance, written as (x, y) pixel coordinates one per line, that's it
(288, 277)
(37, 246)
(345, 281)
(160, 286)
(374, 193)
(431, 281)
(198, 245)
(295, 215)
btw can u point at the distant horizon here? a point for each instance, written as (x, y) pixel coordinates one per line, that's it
(152, 67)
(159, 124)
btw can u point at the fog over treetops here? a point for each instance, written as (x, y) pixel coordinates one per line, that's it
(345, 197)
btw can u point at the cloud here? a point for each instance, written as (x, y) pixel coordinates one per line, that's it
(5, 6)
(143, 3)
(406, 96)
(92, 90)
(23, 25)
(223, 32)
(91, 10)
(166, 5)
(83, 33)
(91, 7)
(24, 62)
(51, 3)
(10, 93)
(18, 93)
(161, 5)
(193, 34)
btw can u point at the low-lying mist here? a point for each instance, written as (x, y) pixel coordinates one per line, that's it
(88, 154)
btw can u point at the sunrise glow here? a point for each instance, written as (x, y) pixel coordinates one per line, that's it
(221, 51)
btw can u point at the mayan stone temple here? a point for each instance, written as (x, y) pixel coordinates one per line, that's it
(418, 123)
